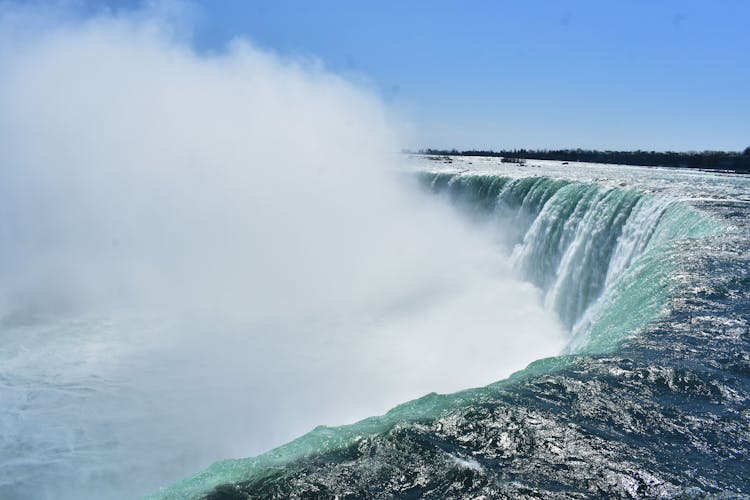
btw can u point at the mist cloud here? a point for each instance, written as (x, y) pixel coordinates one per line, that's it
(224, 248)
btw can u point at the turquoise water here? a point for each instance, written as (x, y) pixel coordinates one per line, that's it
(598, 252)
(604, 257)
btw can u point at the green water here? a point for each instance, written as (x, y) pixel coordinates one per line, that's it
(605, 258)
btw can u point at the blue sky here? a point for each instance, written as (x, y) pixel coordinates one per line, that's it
(493, 74)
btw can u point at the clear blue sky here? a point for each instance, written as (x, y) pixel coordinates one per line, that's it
(493, 74)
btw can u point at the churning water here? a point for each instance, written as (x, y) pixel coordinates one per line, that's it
(203, 256)
(648, 271)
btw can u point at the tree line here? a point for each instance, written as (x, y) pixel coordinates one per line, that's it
(711, 160)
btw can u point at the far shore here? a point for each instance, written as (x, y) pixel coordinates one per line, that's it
(722, 161)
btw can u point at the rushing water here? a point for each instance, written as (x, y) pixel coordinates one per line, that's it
(648, 271)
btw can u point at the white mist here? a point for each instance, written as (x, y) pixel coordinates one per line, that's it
(204, 256)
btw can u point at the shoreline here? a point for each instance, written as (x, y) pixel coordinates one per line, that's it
(709, 161)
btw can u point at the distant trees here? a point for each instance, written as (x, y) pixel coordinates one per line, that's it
(714, 160)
